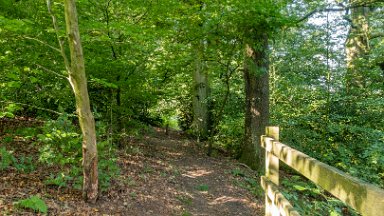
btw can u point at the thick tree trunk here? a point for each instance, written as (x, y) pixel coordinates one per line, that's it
(356, 48)
(78, 82)
(200, 96)
(257, 102)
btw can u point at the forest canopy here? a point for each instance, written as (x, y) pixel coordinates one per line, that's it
(219, 71)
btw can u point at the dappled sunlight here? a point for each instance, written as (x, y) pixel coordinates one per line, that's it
(157, 177)
(255, 112)
(174, 154)
(225, 199)
(197, 173)
(274, 210)
(147, 198)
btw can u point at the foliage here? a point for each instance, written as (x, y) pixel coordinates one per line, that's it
(60, 144)
(60, 180)
(311, 103)
(185, 199)
(140, 61)
(9, 110)
(34, 202)
(24, 164)
(247, 182)
(6, 158)
(237, 172)
(108, 170)
(21, 164)
(230, 136)
(186, 213)
(309, 199)
(202, 187)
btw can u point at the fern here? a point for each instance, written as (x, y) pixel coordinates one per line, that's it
(34, 203)
(6, 159)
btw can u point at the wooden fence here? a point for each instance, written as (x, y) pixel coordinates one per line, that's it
(365, 198)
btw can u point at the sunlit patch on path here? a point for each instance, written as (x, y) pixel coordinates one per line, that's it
(160, 175)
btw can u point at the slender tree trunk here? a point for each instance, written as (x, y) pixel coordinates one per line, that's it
(257, 102)
(78, 82)
(356, 48)
(200, 96)
(118, 104)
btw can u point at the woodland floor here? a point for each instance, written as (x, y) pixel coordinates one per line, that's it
(160, 175)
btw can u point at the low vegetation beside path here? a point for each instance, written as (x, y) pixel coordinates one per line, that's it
(154, 174)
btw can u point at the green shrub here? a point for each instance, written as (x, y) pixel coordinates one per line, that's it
(230, 136)
(108, 170)
(372, 167)
(61, 145)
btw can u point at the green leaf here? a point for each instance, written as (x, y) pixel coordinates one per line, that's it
(299, 187)
(14, 84)
(6, 114)
(334, 213)
(33, 202)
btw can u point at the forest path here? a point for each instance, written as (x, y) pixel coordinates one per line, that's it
(175, 177)
(160, 175)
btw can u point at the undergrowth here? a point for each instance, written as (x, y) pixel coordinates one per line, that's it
(34, 202)
(60, 144)
(309, 199)
(22, 164)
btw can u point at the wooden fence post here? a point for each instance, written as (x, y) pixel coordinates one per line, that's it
(271, 168)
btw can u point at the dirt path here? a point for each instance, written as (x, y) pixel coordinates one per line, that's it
(161, 176)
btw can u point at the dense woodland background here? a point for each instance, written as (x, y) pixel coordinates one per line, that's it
(195, 66)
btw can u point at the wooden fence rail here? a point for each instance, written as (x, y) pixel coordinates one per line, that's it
(365, 198)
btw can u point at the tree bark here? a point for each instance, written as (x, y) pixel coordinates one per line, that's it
(257, 101)
(356, 48)
(200, 96)
(78, 82)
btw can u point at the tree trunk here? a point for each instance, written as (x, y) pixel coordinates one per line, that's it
(257, 102)
(119, 108)
(78, 82)
(356, 48)
(200, 96)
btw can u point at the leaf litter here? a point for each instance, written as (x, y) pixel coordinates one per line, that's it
(165, 175)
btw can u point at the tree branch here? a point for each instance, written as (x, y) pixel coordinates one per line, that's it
(42, 42)
(319, 10)
(51, 71)
(61, 42)
(341, 7)
(376, 35)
